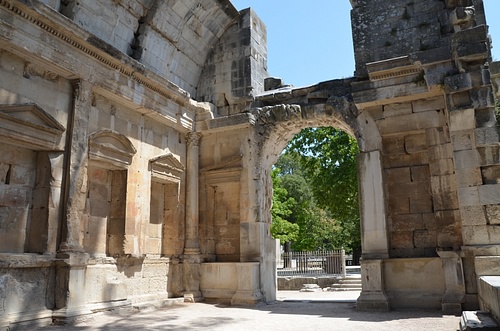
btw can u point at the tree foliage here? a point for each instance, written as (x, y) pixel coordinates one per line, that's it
(318, 171)
(281, 228)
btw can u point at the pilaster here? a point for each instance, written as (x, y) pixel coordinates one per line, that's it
(454, 281)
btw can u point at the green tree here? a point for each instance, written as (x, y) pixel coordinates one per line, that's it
(316, 228)
(328, 160)
(282, 207)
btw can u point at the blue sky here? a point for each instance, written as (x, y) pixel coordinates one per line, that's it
(310, 43)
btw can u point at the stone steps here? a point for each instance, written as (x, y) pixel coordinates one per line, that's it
(346, 284)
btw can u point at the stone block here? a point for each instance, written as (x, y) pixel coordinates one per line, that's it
(487, 265)
(411, 122)
(473, 51)
(425, 238)
(489, 155)
(487, 136)
(481, 235)
(466, 159)
(420, 173)
(437, 136)
(445, 183)
(458, 83)
(401, 239)
(428, 104)
(415, 143)
(491, 175)
(449, 238)
(493, 214)
(485, 117)
(393, 145)
(408, 222)
(463, 119)
(430, 221)
(409, 190)
(441, 167)
(437, 152)
(473, 215)
(397, 109)
(399, 206)
(445, 201)
(448, 219)
(405, 160)
(421, 204)
(468, 196)
(398, 175)
(462, 140)
(469, 177)
(489, 194)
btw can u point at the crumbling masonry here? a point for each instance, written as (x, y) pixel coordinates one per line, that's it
(138, 138)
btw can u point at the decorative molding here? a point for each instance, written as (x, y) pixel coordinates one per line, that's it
(30, 126)
(166, 168)
(193, 139)
(177, 95)
(33, 70)
(111, 148)
(394, 73)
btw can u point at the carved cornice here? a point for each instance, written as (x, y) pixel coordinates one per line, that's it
(175, 94)
(29, 125)
(166, 168)
(111, 148)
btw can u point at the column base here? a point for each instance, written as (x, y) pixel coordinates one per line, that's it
(373, 301)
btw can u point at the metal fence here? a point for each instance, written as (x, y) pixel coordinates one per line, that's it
(312, 263)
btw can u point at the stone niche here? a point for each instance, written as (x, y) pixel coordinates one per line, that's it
(29, 178)
(221, 224)
(165, 209)
(104, 216)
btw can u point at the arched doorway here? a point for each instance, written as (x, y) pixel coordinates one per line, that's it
(278, 124)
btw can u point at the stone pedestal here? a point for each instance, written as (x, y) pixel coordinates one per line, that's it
(70, 286)
(454, 281)
(248, 289)
(191, 270)
(372, 296)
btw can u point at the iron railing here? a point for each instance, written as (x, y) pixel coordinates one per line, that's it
(316, 263)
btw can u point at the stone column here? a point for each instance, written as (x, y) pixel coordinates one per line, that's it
(70, 268)
(191, 246)
(75, 181)
(454, 281)
(192, 258)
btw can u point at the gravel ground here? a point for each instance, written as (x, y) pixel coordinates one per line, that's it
(293, 311)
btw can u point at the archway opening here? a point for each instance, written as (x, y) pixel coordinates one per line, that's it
(315, 211)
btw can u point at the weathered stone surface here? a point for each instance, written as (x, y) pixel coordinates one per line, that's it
(146, 169)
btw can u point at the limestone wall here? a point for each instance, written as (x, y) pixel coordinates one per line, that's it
(411, 283)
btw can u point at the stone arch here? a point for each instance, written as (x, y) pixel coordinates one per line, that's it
(276, 125)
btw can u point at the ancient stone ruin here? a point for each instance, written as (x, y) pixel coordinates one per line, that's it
(138, 138)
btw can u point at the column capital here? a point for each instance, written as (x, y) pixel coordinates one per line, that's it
(193, 139)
